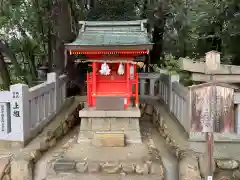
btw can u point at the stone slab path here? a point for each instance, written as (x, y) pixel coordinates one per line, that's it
(221, 149)
(101, 177)
(170, 162)
(41, 168)
(68, 142)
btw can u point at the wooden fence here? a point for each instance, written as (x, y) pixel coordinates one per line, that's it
(24, 111)
(179, 103)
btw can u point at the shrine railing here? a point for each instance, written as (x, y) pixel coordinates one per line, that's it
(164, 87)
(25, 111)
(181, 106)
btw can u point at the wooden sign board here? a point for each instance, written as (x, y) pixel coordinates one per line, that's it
(212, 107)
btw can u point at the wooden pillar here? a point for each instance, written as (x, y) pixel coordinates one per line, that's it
(136, 90)
(94, 83)
(88, 91)
(128, 83)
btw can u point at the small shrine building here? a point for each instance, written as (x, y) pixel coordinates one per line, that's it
(113, 49)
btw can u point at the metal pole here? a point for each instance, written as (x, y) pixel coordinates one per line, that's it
(209, 134)
(209, 142)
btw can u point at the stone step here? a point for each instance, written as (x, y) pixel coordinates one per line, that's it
(115, 167)
(73, 176)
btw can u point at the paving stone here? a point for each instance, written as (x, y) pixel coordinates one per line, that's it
(82, 167)
(202, 165)
(111, 167)
(223, 175)
(48, 135)
(64, 165)
(128, 167)
(58, 131)
(227, 164)
(157, 168)
(21, 169)
(149, 109)
(94, 167)
(65, 128)
(142, 168)
(188, 168)
(236, 174)
(52, 142)
(36, 155)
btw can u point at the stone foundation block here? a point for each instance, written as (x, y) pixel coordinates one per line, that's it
(108, 139)
(142, 168)
(128, 167)
(111, 167)
(64, 165)
(101, 124)
(94, 167)
(119, 124)
(86, 124)
(82, 167)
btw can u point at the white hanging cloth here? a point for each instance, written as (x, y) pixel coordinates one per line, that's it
(121, 69)
(105, 70)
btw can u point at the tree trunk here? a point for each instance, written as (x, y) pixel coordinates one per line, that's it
(4, 75)
(7, 51)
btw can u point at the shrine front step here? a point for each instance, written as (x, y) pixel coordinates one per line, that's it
(144, 167)
(110, 128)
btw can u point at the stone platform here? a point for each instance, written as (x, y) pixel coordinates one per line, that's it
(109, 127)
(84, 160)
(134, 159)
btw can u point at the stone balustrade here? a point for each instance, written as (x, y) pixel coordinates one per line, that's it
(25, 111)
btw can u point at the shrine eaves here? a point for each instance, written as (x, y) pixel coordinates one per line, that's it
(113, 36)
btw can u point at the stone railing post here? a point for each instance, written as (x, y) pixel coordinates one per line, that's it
(20, 122)
(237, 117)
(142, 86)
(152, 87)
(52, 77)
(172, 78)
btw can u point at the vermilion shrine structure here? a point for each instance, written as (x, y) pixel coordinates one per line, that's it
(112, 48)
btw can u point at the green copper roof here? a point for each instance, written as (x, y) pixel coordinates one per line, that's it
(105, 33)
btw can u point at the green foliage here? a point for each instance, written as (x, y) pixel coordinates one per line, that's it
(192, 28)
(195, 27)
(110, 10)
(26, 26)
(170, 63)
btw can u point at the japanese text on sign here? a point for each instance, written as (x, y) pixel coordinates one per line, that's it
(2, 117)
(16, 110)
(15, 107)
(15, 95)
